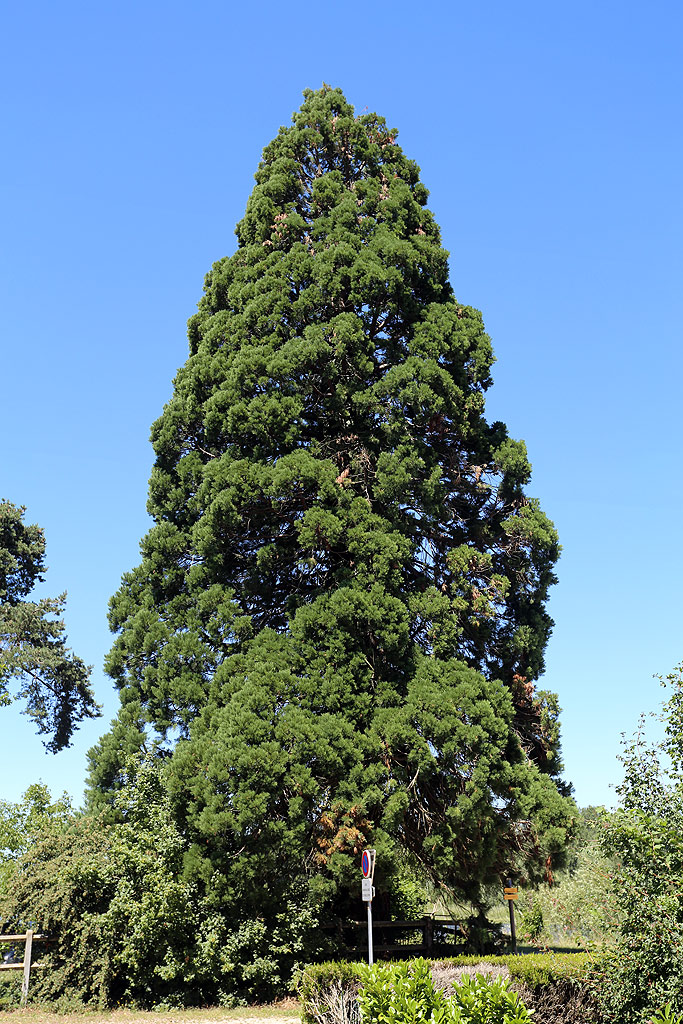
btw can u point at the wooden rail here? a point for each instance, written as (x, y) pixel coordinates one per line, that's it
(384, 929)
(28, 938)
(428, 936)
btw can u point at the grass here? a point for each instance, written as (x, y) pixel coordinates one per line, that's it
(288, 1010)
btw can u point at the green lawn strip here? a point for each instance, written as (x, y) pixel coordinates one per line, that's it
(289, 1011)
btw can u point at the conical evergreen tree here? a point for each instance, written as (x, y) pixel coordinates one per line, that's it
(339, 615)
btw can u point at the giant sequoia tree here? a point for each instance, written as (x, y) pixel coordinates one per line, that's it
(339, 614)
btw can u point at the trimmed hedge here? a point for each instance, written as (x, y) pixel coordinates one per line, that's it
(555, 985)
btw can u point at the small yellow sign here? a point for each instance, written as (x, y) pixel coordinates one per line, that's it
(510, 892)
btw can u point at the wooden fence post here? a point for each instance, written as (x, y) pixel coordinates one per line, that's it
(27, 967)
(429, 934)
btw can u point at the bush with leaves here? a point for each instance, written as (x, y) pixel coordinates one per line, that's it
(645, 836)
(480, 999)
(556, 987)
(581, 906)
(410, 892)
(129, 926)
(112, 899)
(402, 993)
(23, 823)
(531, 924)
(406, 994)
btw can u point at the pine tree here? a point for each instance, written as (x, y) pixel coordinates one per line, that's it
(51, 680)
(339, 616)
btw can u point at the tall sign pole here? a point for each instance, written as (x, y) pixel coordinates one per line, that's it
(510, 894)
(367, 866)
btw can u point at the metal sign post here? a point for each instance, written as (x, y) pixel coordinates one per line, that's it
(367, 866)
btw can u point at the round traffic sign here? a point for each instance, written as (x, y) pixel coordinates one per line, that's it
(365, 864)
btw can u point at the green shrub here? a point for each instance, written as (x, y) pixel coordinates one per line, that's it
(409, 897)
(582, 906)
(642, 974)
(481, 1000)
(405, 993)
(541, 969)
(10, 990)
(317, 982)
(401, 993)
(556, 986)
(532, 920)
(127, 925)
(666, 1016)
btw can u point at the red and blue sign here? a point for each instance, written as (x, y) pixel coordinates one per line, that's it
(366, 864)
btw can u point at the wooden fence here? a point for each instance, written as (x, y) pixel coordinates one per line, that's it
(28, 938)
(423, 937)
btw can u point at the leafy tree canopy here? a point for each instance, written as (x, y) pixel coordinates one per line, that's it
(51, 680)
(126, 927)
(339, 616)
(644, 838)
(24, 823)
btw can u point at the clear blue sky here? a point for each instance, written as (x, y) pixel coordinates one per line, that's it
(550, 137)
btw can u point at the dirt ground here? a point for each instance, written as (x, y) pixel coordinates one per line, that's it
(285, 1012)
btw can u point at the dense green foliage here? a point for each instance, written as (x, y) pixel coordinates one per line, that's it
(645, 837)
(24, 823)
(49, 678)
(399, 993)
(406, 994)
(127, 927)
(339, 615)
(556, 986)
(582, 906)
